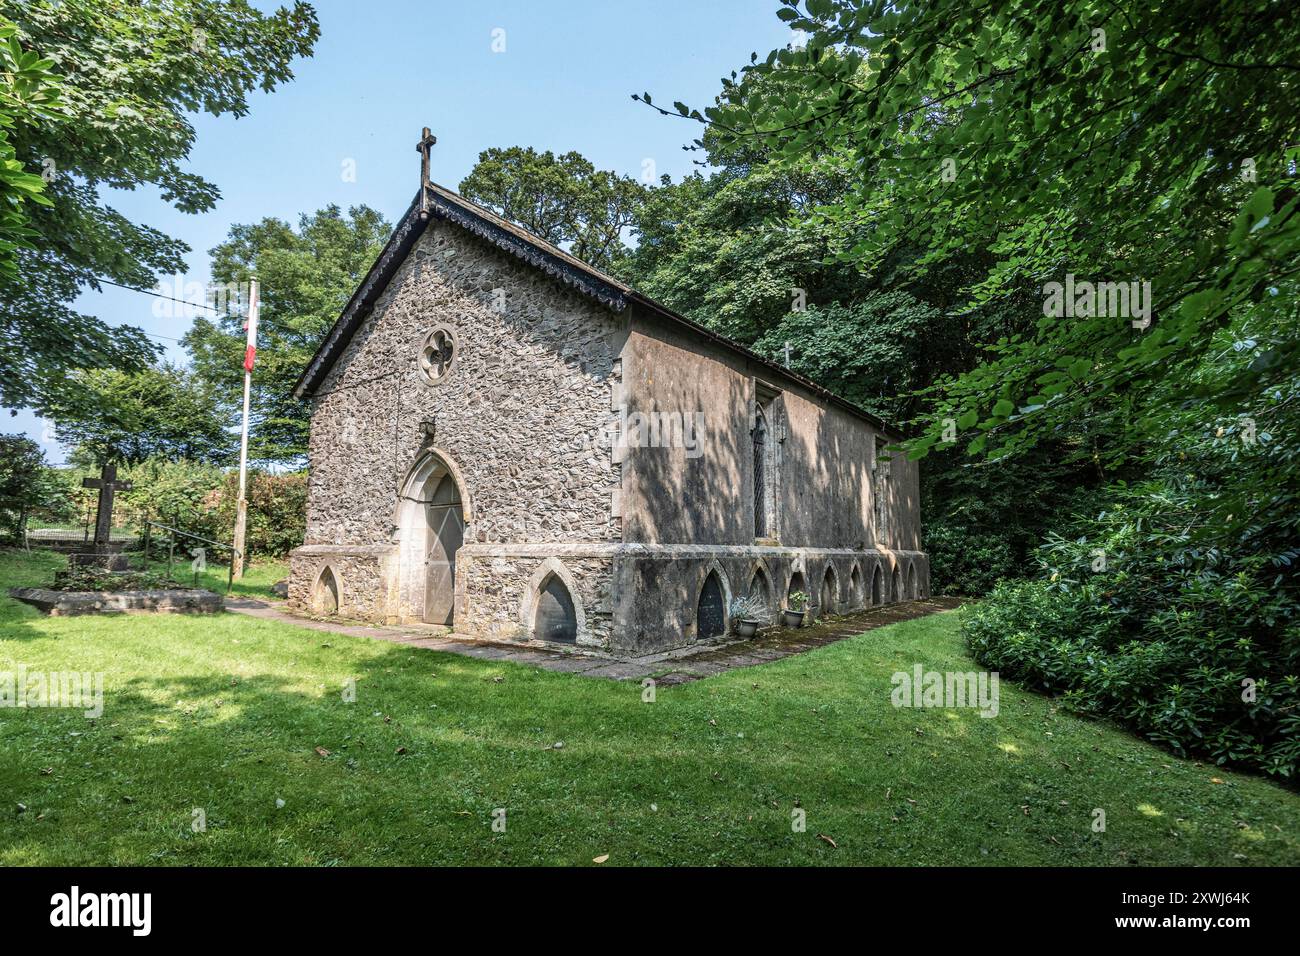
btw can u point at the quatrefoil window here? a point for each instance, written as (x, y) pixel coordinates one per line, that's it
(437, 354)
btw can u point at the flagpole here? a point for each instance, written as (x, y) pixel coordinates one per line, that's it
(241, 507)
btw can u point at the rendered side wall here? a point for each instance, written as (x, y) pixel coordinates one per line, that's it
(676, 495)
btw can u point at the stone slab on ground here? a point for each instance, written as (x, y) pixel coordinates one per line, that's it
(161, 601)
(674, 667)
(103, 560)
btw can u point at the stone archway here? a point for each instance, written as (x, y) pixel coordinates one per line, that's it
(828, 597)
(796, 584)
(326, 591)
(551, 608)
(856, 593)
(712, 604)
(432, 514)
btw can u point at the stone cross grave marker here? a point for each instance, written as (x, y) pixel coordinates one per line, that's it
(108, 485)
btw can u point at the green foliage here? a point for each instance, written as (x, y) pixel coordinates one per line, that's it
(1157, 608)
(1175, 675)
(201, 499)
(722, 250)
(29, 92)
(564, 200)
(1140, 619)
(983, 521)
(87, 578)
(1122, 142)
(62, 501)
(963, 561)
(277, 507)
(178, 493)
(277, 513)
(734, 249)
(129, 417)
(873, 353)
(131, 75)
(25, 487)
(306, 276)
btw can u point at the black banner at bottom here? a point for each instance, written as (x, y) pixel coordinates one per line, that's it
(336, 905)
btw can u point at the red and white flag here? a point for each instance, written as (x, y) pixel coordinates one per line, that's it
(250, 324)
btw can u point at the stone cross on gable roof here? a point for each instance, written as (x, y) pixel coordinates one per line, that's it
(424, 147)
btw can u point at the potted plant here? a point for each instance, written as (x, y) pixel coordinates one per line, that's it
(746, 615)
(796, 606)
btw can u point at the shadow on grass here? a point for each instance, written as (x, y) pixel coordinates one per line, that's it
(411, 772)
(250, 724)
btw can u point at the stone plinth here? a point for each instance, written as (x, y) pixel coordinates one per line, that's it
(171, 601)
(106, 560)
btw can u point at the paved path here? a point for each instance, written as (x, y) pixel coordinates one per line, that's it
(672, 667)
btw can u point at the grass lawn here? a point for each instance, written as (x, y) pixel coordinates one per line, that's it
(256, 582)
(226, 714)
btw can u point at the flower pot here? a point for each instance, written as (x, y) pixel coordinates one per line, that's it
(792, 618)
(746, 628)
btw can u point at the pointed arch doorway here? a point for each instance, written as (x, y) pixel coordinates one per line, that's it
(431, 520)
(445, 529)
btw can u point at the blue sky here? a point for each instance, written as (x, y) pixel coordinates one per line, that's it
(384, 68)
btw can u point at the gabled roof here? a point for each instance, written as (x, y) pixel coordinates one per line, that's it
(505, 235)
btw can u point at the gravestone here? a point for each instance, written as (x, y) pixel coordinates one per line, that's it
(103, 556)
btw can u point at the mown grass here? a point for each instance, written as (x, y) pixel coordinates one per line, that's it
(256, 582)
(225, 714)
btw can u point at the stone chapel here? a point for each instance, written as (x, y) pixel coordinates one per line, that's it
(513, 445)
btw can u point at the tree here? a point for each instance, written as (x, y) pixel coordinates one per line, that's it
(175, 492)
(28, 93)
(305, 277)
(23, 486)
(131, 73)
(128, 417)
(725, 250)
(744, 252)
(1111, 142)
(1104, 144)
(277, 512)
(1149, 607)
(564, 200)
(874, 353)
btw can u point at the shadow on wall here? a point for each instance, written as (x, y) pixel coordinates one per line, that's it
(686, 496)
(555, 618)
(824, 474)
(829, 600)
(826, 479)
(857, 597)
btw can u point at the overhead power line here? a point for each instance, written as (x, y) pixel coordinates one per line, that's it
(172, 298)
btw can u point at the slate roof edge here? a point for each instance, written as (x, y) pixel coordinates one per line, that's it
(608, 291)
